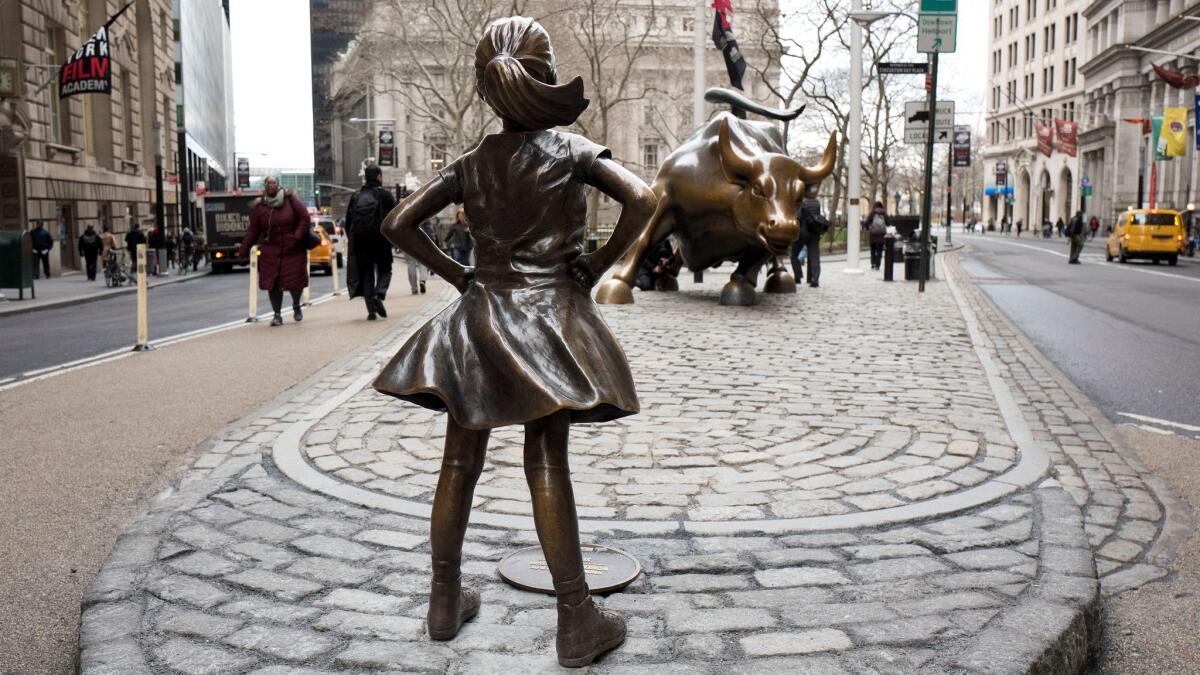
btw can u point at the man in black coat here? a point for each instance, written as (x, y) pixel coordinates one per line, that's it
(89, 247)
(814, 226)
(42, 242)
(1076, 232)
(132, 239)
(370, 251)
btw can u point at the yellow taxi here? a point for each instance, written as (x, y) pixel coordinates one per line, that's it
(1150, 234)
(321, 256)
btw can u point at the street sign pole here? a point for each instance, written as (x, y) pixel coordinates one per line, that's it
(927, 201)
(949, 188)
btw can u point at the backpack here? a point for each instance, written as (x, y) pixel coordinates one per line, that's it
(363, 214)
(878, 225)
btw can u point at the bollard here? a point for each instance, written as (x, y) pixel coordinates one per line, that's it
(306, 301)
(889, 257)
(143, 322)
(253, 316)
(333, 265)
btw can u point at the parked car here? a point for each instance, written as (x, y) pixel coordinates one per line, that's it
(321, 257)
(1150, 234)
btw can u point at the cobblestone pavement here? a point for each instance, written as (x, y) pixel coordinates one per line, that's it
(845, 480)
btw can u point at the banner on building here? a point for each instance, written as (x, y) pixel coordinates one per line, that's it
(1001, 173)
(1176, 80)
(962, 146)
(1157, 143)
(1174, 132)
(89, 69)
(722, 36)
(1067, 132)
(243, 172)
(387, 145)
(1045, 138)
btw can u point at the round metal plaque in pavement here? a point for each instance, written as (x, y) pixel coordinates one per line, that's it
(606, 569)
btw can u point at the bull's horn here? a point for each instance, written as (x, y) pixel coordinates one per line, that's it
(737, 168)
(818, 173)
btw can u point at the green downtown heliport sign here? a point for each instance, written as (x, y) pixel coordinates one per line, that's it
(947, 6)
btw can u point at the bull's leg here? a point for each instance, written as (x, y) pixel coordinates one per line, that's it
(778, 279)
(740, 289)
(619, 289)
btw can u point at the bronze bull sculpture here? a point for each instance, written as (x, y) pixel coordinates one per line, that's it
(730, 192)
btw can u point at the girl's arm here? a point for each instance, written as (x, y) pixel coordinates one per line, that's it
(402, 227)
(637, 207)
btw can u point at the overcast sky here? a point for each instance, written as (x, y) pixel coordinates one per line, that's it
(272, 78)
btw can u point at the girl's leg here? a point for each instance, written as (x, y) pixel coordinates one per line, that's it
(584, 632)
(276, 296)
(449, 604)
(296, 313)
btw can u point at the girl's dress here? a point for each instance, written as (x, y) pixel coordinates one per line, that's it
(525, 340)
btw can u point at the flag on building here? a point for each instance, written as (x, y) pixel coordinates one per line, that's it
(89, 69)
(962, 146)
(1174, 131)
(1177, 80)
(1045, 138)
(1157, 142)
(1068, 135)
(722, 35)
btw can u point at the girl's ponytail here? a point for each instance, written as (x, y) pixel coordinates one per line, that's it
(515, 75)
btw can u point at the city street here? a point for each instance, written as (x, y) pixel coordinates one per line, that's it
(46, 338)
(1128, 335)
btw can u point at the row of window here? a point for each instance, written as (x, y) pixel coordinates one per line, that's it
(1049, 43)
(1029, 90)
(1006, 129)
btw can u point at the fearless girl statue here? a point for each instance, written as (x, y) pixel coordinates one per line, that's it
(524, 344)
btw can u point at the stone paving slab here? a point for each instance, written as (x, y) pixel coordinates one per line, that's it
(241, 569)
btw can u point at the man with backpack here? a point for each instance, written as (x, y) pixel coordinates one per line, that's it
(90, 245)
(877, 225)
(814, 225)
(370, 251)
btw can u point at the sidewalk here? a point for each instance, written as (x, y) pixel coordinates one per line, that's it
(74, 288)
(850, 479)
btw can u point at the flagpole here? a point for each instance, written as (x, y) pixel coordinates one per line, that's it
(698, 66)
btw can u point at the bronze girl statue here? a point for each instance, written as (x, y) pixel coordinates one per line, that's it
(523, 344)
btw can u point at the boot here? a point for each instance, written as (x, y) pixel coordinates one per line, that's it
(277, 320)
(584, 631)
(297, 315)
(379, 308)
(450, 605)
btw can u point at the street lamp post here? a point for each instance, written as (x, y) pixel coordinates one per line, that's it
(854, 136)
(158, 176)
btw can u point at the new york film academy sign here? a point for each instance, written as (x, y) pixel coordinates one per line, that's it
(89, 69)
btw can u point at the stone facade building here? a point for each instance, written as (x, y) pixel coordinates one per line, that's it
(1034, 58)
(1125, 39)
(88, 159)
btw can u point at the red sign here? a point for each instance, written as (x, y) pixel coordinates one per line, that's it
(1068, 133)
(1045, 138)
(89, 69)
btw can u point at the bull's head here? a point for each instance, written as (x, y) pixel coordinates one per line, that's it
(772, 188)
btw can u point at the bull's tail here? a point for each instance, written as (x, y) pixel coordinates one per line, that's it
(739, 102)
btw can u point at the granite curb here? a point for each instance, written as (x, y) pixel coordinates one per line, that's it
(7, 309)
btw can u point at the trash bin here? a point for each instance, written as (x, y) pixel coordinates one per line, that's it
(16, 262)
(912, 261)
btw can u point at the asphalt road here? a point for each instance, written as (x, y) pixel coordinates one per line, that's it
(1127, 335)
(32, 341)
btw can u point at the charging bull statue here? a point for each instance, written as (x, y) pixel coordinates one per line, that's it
(730, 192)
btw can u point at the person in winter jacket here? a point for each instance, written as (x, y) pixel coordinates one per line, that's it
(132, 239)
(90, 246)
(42, 242)
(876, 225)
(279, 224)
(156, 262)
(370, 252)
(1077, 234)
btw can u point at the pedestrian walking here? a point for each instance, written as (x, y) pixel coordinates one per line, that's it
(134, 237)
(524, 344)
(1020, 227)
(1077, 234)
(201, 250)
(90, 246)
(1047, 228)
(187, 249)
(1093, 225)
(460, 240)
(279, 224)
(1061, 227)
(157, 243)
(814, 225)
(370, 251)
(799, 256)
(42, 242)
(876, 225)
(416, 271)
(107, 240)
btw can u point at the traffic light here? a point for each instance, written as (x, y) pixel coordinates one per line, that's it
(317, 193)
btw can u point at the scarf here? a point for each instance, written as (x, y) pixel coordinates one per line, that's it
(276, 201)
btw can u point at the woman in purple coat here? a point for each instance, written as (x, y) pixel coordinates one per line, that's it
(279, 223)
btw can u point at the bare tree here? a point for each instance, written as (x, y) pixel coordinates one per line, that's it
(422, 53)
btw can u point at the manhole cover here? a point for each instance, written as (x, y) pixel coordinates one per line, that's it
(606, 569)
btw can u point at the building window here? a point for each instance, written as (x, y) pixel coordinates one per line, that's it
(60, 117)
(438, 153)
(689, 24)
(650, 155)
